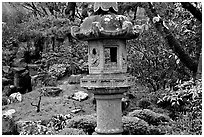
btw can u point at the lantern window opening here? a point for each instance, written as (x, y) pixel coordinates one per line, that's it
(94, 51)
(110, 53)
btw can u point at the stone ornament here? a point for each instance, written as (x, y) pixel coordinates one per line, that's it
(94, 57)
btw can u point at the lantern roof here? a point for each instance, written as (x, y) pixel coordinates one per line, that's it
(106, 25)
(105, 6)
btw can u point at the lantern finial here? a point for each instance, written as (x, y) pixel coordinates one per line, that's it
(101, 8)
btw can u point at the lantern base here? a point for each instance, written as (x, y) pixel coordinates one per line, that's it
(109, 114)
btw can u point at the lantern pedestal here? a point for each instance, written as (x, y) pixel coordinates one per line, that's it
(109, 114)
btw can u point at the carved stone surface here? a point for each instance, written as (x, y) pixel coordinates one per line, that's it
(109, 120)
(105, 27)
(105, 6)
(107, 81)
(97, 58)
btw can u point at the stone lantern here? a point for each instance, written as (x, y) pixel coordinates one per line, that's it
(106, 33)
(17, 72)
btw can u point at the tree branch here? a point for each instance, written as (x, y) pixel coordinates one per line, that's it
(194, 11)
(38, 105)
(32, 7)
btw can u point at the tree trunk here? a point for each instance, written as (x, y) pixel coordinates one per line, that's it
(197, 14)
(170, 39)
(37, 105)
(199, 71)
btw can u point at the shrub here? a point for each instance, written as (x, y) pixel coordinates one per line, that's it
(87, 123)
(32, 128)
(144, 103)
(134, 126)
(58, 122)
(186, 93)
(50, 91)
(149, 116)
(74, 79)
(191, 122)
(58, 70)
(71, 131)
(43, 79)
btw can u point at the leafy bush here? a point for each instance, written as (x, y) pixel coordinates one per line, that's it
(184, 93)
(74, 79)
(87, 123)
(32, 128)
(71, 131)
(58, 122)
(58, 70)
(134, 126)
(43, 79)
(50, 91)
(190, 122)
(144, 103)
(150, 117)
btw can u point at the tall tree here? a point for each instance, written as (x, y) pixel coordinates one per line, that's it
(166, 33)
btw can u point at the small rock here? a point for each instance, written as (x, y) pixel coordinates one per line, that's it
(33, 79)
(80, 96)
(68, 116)
(5, 69)
(125, 103)
(8, 113)
(76, 110)
(94, 133)
(15, 97)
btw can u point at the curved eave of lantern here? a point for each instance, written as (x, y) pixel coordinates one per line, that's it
(106, 27)
(105, 6)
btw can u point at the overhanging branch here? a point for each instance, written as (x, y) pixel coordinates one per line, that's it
(194, 11)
